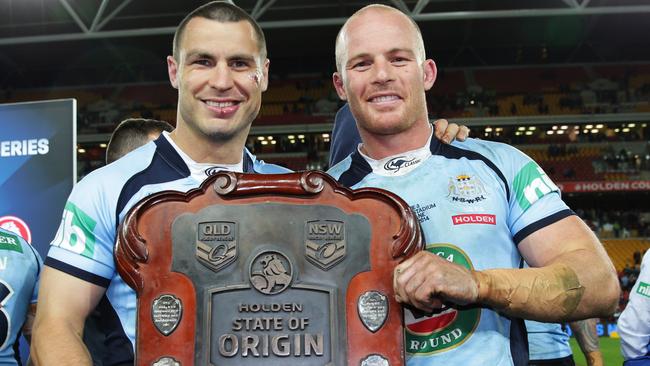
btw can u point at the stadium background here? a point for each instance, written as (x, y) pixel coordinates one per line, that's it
(566, 81)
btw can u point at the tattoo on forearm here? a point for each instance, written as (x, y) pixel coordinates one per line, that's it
(586, 335)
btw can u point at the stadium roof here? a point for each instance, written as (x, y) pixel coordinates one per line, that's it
(50, 42)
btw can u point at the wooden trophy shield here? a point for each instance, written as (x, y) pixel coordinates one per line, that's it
(283, 269)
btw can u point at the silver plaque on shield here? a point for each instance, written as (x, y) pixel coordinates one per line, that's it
(166, 312)
(374, 360)
(166, 361)
(373, 309)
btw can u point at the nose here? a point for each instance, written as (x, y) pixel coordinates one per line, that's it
(221, 77)
(383, 71)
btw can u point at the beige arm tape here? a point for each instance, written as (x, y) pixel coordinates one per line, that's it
(550, 293)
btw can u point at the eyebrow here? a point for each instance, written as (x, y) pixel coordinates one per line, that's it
(208, 55)
(391, 51)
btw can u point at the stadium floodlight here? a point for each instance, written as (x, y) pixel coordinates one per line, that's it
(488, 129)
(528, 133)
(560, 132)
(532, 128)
(81, 150)
(270, 137)
(564, 127)
(261, 138)
(265, 142)
(102, 145)
(273, 142)
(550, 132)
(554, 127)
(594, 130)
(626, 129)
(631, 125)
(600, 126)
(522, 128)
(301, 136)
(291, 137)
(589, 127)
(325, 135)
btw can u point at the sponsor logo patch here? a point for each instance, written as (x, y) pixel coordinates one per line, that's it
(531, 184)
(485, 219)
(76, 232)
(643, 289)
(395, 164)
(16, 225)
(10, 242)
(450, 327)
(466, 190)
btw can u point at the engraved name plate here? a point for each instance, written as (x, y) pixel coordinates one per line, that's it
(373, 310)
(166, 312)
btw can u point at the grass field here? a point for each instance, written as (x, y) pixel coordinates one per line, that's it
(610, 348)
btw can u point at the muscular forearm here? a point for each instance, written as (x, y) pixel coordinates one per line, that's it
(587, 337)
(554, 293)
(54, 344)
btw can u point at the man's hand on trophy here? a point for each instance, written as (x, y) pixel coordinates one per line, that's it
(448, 132)
(427, 281)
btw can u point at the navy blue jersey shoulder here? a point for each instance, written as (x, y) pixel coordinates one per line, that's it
(165, 166)
(359, 169)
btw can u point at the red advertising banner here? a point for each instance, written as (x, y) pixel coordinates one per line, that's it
(604, 186)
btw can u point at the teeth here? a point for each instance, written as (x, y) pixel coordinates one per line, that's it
(385, 98)
(219, 104)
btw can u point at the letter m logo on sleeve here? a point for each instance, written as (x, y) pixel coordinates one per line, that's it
(531, 184)
(76, 231)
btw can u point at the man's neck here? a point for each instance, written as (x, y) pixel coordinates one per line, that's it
(378, 146)
(204, 150)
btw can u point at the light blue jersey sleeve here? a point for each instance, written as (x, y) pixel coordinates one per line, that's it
(534, 200)
(86, 235)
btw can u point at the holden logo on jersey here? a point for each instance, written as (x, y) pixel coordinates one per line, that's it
(448, 328)
(16, 226)
(214, 170)
(395, 164)
(466, 189)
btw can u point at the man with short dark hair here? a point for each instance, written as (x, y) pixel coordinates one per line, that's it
(220, 69)
(133, 133)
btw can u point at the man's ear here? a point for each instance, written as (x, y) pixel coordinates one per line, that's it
(264, 83)
(430, 73)
(172, 71)
(337, 79)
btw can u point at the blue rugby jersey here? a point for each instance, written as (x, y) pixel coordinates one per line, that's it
(547, 341)
(83, 246)
(20, 266)
(475, 201)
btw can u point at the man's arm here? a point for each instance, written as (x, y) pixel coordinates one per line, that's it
(29, 323)
(575, 278)
(587, 337)
(63, 304)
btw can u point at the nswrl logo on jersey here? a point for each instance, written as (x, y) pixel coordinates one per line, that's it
(531, 184)
(466, 189)
(76, 231)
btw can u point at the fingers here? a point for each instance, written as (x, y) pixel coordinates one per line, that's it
(411, 282)
(448, 132)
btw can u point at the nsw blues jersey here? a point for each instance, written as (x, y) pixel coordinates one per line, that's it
(20, 266)
(83, 246)
(475, 201)
(547, 341)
